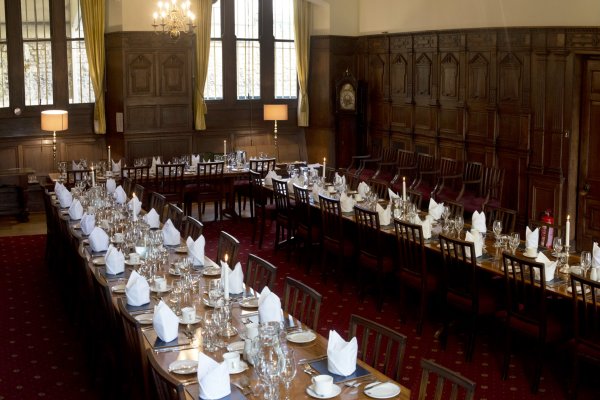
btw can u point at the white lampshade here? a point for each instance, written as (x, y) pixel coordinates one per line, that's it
(55, 120)
(275, 112)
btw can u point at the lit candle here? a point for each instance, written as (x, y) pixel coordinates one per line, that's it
(224, 148)
(225, 278)
(109, 159)
(324, 164)
(133, 197)
(567, 230)
(403, 188)
(93, 177)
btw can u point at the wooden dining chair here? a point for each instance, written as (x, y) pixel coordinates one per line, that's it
(208, 188)
(242, 187)
(138, 190)
(74, 176)
(585, 346)
(259, 273)
(284, 229)
(527, 311)
(547, 232)
(307, 232)
(373, 259)
(302, 301)
(168, 181)
(460, 283)
(459, 386)
(193, 227)
(381, 347)
(412, 271)
(167, 386)
(456, 208)
(506, 216)
(380, 188)
(175, 214)
(127, 185)
(227, 246)
(134, 360)
(415, 197)
(140, 174)
(158, 202)
(426, 176)
(262, 209)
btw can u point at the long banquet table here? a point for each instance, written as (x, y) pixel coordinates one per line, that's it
(188, 346)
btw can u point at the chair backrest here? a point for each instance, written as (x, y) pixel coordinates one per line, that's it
(448, 166)
(193, 227)
(586, 311)
(228, 246)
(367, 229)
(133, 340)
(415, 197)
(302, 301)
(302, 207)
(259, 273)
(547, 232)
(167, 386)
(380, 188)
(106, 309)
(158, 202)
(210, 170)
(405, 158)
(74, 176)
(460, 387)
(525, 291)
(493, 213)
(351, 180)
(282, 199)
(456, 208)
(257, 190)
(459, 270)
(169, 178)
(262, 165)
(379, 346)
(175, 214)
(412, 257)
(127, 185)
(136, 174)
(138, 190)
(493, 183)
(331, 219)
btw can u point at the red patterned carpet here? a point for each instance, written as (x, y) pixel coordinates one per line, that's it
(41, 353)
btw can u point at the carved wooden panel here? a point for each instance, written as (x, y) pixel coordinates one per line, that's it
(478, 78)
(377, 67)
(426, 145)
(9, 157)
(544, 194)
(140, 75)
(478, 125)
(401, 118)
(451, 149)
(423, 78)
(175, 116)
(141, 118)
(142, 148)
(449, 73)
(77, 150)
(399, 76)
(175, 146)
(510, 77)
(424, 120)
(450, 123)
(39, 157)
(173, 72)
(513, 130)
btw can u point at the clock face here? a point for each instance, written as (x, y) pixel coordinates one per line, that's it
(347, 97)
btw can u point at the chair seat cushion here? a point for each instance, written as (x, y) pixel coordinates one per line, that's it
(487, 303)
(302, 232)
(333, 247)
(371, 263)
(472, 203)
(554, 328)
(414, 281)
(582, 349)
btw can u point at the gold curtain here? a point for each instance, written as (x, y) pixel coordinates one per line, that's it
(302, 22)
(92, 12)
(202, 54)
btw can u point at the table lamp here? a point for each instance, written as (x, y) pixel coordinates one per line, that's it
(52, 121)
(275, 112)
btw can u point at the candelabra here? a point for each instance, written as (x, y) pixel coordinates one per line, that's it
(173, 18)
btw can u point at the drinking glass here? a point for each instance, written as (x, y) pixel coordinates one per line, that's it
(215, 291)
(459, 224)
(513, 241)
(557, 245)
(288, 371)
(446, 213)
(209, 333)
(497, 228)
(586, 261)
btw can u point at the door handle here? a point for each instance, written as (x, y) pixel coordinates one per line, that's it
(585, 190)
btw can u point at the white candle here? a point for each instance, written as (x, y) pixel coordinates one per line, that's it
(226, 279)
(109, 166)
(93, 177)
(224, 148)
(567, 230)
(403, 188)
(324, 164)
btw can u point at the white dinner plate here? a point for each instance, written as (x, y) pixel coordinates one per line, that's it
(336, 390)
(249, 302)
(167, 289)
(241, 368)
(184, 367)
(145, 319)
(383, 391)
(119, 289)
(197, 320)
(236, 346)
(211, 271)
(99, 261)
(301, 337)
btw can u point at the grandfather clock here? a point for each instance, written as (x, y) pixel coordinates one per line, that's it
(348, 109)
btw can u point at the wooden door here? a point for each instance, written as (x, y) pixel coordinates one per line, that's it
(588, 185)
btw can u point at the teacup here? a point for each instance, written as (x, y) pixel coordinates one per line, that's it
(331, 189)
(357, 197)
(160, 284)
(251, 330)
(232, 360)
(119, 237)
(322, 384)
(188, 314)
(531, 252)
(134, 258)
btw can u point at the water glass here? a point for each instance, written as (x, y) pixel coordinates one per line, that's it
(497, 228)
(557, 245)
(459, 224)
(586, 261)
(513, 241)
(288, 371)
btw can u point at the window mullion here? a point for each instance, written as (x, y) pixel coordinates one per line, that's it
(16, 74)
(59, 53)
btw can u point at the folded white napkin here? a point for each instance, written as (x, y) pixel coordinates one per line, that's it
(595, 255)
(213, 378)
(75, 210)
(65, 198)
(152, 219)
(196, 249)
(87, 223)
(270, 176)
(116, 166)
(120, 195)
(135, 205)
(425, 225)
(347, 203)
(341, 355)
(155, 162)
(137, 291)
(392, 194)
(195, 162)
(75, 166)
(111, 186)
(269, 306)
(171, 236)
(236, 279)
(385, 215)
(98, 240)
(115, 260)
(58, 187)
(549, 267)
(475, 237)
(165, 322)
(532, 238)
(290, 184)
(363, 189)
(478, 222)
(316, 189)
(339, 180)
(435, 209)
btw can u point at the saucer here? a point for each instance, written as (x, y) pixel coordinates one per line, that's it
(99, 261)
(153, 289)
(184, 367)
(145, 319)
(133, 264)
(212, 271)
(335, 390)
(301, 337)
(113, 240)
(236, 346)
(197, 320)
(181, 250)
(119, 289)
(383, 391)
(249, 302)
(241, 368)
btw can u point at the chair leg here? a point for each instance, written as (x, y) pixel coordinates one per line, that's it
(506, 360)
(422, 312)
(574, 383)
(538, 369)
(471, 341)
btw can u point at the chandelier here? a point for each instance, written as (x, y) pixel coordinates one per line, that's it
(173, 18)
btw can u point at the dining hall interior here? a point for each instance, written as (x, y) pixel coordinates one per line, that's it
(355, 199)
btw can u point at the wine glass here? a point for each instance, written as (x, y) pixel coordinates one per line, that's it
(459, 224)
(513, 241)
(586, 261)
(497, 228)
(288, 371)
(557, 245)
(446, 213)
